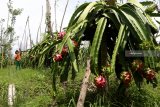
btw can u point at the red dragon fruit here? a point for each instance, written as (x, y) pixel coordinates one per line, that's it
(75, 43)
(64, 50)
(126, 77)
(150, 74)
(58, 57)
(61, 35)
(100, 82)
(137, 65)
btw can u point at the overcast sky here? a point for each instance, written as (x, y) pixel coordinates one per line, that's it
(33, 9)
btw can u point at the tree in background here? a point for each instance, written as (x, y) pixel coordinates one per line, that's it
(7, 34)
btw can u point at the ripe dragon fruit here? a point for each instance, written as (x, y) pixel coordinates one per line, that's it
(150, 74)
(58, 57)
(100, 82)
(61, 35)
(64, 50)
(126, 78)
(137, 65)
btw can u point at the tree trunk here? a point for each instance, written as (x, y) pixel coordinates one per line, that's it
(48, 18)
(30, 39)
(84, 86)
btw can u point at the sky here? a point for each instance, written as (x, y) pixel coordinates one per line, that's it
(33, 9)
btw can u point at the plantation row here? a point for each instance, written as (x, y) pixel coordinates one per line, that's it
(110, 29)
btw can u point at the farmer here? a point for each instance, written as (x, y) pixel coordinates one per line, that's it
(17, 58)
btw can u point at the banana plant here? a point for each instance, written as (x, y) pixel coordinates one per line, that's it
(111, 29)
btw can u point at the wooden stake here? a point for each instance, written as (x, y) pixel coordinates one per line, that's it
(64, 14)
(2, 47)
(48, 18)
(29, 33)
(24, 35)
(11, 95)
(84, 86)
(55, 14)
(39, 28)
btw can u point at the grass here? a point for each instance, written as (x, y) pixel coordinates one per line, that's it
(147, 96)
(34, 89)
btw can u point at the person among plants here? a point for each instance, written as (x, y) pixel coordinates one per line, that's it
(17, 58)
